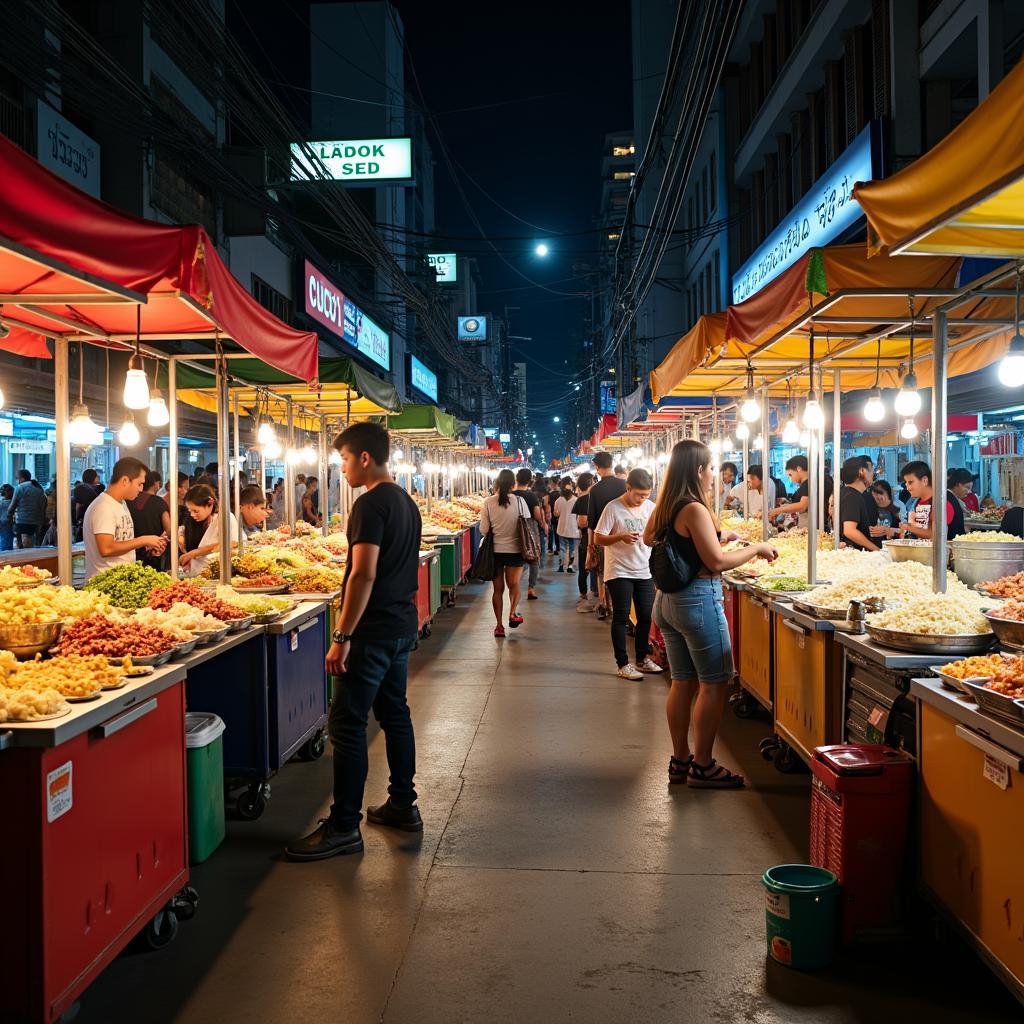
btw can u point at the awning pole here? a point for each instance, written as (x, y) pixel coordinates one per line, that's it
(325, 508)
(238, 476)
(746, 483)
(813, 509)
(172, 459)
(289, 470)
(822, 496)
(223, 468)
(61, 410)
(940, 386)
(766, 447)
(837, 441)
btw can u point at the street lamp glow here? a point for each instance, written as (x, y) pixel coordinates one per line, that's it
(558, 419)
(541, 250)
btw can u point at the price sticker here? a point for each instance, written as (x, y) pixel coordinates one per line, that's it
(293, 640)
(996, 772)
(59, 794)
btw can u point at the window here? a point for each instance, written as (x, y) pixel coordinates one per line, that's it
(270, 298)
(622, 175)
(623, 150)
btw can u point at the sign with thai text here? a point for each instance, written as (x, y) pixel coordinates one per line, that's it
(67, 150)
(423, 379)
(445, 265)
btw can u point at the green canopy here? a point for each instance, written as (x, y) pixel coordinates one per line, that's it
(427, 420)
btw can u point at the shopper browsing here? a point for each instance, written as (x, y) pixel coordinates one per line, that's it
(584, 483)
(108, 530)
(201, 504)
(27, 511)
(627, 571)
(150, 515)
(889, 512)
(692, 619)
(6, 526)
(857, 475)
(568, 528)
(524, 479)
(376, 628)
(500, 518)
(917, 478)
(608, 488)
(754, 490)
(252, 505)
(796, 470)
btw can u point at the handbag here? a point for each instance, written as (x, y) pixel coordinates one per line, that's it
(529, 539)
(483, 565)
(670, 571)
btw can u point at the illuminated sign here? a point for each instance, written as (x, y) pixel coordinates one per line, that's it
(472, 328)
(326, 303)
(422, 379)
(67, 150)
(505, 438)
(490, 431)
(445, 265)
(823, 214)
(354, 160)
(607, 396)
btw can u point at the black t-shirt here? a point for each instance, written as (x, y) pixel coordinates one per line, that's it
(605, 490)
(852, 509)
(147, 512)
(386, 516)
(531, 499)
(888, 516)
(84, 495)
(804, 490)
(580, 506)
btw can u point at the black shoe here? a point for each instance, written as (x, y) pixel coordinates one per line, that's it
(406, 818)
(560, 569)
(325, 841)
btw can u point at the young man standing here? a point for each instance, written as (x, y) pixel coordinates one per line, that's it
(608, 488)
(917, 478)
(108, 530)
(857, 475)
(377, 627)
(27, 511)
(756, 487)
(524, 480)
(796, 470)
(627, 571)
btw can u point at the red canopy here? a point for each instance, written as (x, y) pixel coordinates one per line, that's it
(71, 264)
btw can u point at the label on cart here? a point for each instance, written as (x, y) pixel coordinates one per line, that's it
(777, 904)
(827, 791)
(996, 772)
(58, 792)
(293, 640)
(879, 717)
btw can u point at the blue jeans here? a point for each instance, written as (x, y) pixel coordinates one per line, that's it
(566, 545)
(376, 678)
(696, 634)
(6, 538)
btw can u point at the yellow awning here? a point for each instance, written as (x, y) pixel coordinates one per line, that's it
(966, 194)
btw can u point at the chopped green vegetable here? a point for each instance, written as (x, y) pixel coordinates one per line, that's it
(128, 585)
(786, 583)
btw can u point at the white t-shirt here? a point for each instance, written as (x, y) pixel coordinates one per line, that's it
(211, 536)
(621, 560)
(754, 504)
(106, 515)
(567, 525)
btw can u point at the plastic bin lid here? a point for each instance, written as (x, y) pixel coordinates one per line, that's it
(861, 758)
(202, 728)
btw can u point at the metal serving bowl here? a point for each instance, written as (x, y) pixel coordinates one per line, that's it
(237, 625)
(30, 639)
(931, 643)
(909, 551)
(977, 561)
(1009, 632)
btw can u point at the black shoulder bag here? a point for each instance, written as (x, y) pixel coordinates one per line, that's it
(670, 571)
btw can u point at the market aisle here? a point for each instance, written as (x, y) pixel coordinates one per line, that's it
(557, 877)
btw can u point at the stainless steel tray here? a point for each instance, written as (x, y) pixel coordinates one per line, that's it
(953, 682)
(1008, 709)
(210, 636)
(931, 643)
(1009, 632)
(185, 647)
(144, 659)
(237, 625)
(818, 611)
(260, 590)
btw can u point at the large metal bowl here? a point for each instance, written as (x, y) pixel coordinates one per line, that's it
(30, 639)
(909, 551)
(931, 643)
(977, 561)
(1009, 632)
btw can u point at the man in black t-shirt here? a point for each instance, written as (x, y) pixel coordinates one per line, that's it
(608, 488)
(581, 505)
(524, 479)
(376, 628)
(854, 523)
(151, 517)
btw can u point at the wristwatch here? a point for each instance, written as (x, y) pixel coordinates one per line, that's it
(341, 638)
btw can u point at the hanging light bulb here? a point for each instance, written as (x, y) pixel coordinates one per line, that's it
(759, 442)
(158, 414)
(81, 430)
(727, 445)
(742, 431)
(309, 455)
(1011, 366)
(265, 433)
(908, 398)
(814, 415)
(715, 444)
(805, 439)
(129, 433)
(909, 430)
(750, 410)
(790, 432)
(293, 456)
(874, 408)
(272, 450)
(136, 387)
(335, 457)
(3, 400)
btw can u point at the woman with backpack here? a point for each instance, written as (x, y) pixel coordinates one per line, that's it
(688, 610)
(500, 518)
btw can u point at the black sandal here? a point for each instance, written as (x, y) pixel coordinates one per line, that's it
(678, 770)
(713, 776)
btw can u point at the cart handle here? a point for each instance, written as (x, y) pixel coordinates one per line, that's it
(796, 627)
(308, 624)
(996, 752)
(123, 721)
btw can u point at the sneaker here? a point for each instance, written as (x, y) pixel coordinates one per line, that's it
(571, 568)
(531, 594)
(629, 671)
(499, 631)
(405, 818)
(515, 621)
(560, 568)
(583, 605)
(602, 612)
(647, 665)
(325, 841)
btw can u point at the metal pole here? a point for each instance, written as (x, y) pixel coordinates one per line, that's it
(322, 478)
(940, 358)
(61, 395)
(238, 475)
(820, 441)
(172, 459)
(837, 442)
(222, 472)
(289, 470)
(766, 446)
(813, 509)
(746, 484)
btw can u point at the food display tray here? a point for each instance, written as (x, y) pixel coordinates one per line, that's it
(145, 659)
(931, 643)
(261, 590)
(1007, 709)
(186, 647)
(210, 636)
(952, 682)
(32, 584)
(237, 625)
(40, 718)
(1009, 632)
(818, 611)
(86, 699)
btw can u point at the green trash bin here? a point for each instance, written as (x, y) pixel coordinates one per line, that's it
(801, 915)
(204, 749)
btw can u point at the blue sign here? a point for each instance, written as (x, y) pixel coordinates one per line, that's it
(472, 328)
(823, 214)
(422, 379)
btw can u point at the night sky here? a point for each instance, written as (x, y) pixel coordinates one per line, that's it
(545, 82)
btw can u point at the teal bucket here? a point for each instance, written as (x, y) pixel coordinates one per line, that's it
(801, 915)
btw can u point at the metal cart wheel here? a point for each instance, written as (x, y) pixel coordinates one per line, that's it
(786, 760)
(313, 749)
(768, 747)
(252, 802)
(160, 932)
(184, 902)
(450, 599)
(745, 706)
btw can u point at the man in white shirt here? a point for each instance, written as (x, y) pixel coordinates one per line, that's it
(107, 528)
(627, 572)
(756, 487)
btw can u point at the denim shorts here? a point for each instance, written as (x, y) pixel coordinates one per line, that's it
(696, 634)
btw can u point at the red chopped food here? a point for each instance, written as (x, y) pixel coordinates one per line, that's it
(164, 597)
(114, 638)
(266, 579)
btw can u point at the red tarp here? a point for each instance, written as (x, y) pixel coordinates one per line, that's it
(189, 288)
(609, 424)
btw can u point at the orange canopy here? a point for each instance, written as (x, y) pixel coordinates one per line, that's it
(966, 194)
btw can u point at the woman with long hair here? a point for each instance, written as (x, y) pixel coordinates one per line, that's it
(204, 519)
(692, 619)
(500, 518)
